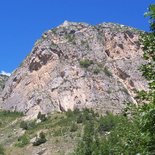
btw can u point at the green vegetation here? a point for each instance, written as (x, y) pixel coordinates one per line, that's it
(24, 125)
(10, 114)
(85, 43)
(54, 31)
(40, 140)
(13, 114)
(94, 131)
(97, 70)
(44, 36)
(85, 63)
(23, 141)
(41, 116)
(59, 127)
(74, 127)
(70, 38)
(28, 125)
(7, 117)
(94, 134)
(1, 150)
(107, 72)
(112, 134)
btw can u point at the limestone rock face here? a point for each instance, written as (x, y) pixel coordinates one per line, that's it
(3, 79)
(77, 65)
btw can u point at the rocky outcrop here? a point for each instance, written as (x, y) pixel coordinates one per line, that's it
(3, 79)
(77, 65)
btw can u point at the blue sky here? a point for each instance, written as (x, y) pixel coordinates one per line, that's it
(23, 21)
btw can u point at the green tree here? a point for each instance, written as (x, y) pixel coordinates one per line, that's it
(147, 111)
(89, 144)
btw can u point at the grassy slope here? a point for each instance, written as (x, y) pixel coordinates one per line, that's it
(61, 129)
(63, 132)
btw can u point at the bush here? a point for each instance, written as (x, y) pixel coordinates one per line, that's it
(23, 140)
(42, 117)
(107, 123)
(73, 127)
(71, 38)
(80, 118)
(76, 111)
(107, 72)
(24, 125)
(88, 114)
(40, 140)
(32, 124)
(86, 63)
(28, 125)
(97, 70)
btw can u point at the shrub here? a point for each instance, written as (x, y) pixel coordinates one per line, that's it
(76, 111)
(73, 127)
(70, 38)
(40, 140)
(42, 117)
(23, 140)
(86, 63)
(97, 70)
(88, 114)
(107, 123)
(80, 118)
(107, 72)
(24, 125)
(85, 43)
(32, 124)
(28, 125)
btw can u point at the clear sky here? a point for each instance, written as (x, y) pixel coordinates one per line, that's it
(23, 21)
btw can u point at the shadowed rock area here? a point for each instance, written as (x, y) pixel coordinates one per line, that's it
(3, 79)
(77, 65)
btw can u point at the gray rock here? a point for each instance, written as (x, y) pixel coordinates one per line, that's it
(42, 151)
(3, 79)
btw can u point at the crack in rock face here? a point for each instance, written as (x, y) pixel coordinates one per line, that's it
(77, 65)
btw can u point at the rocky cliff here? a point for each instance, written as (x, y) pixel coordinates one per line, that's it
(3, 79)
(78, 65)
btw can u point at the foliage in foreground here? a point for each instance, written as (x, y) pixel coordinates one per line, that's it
(112, 135)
